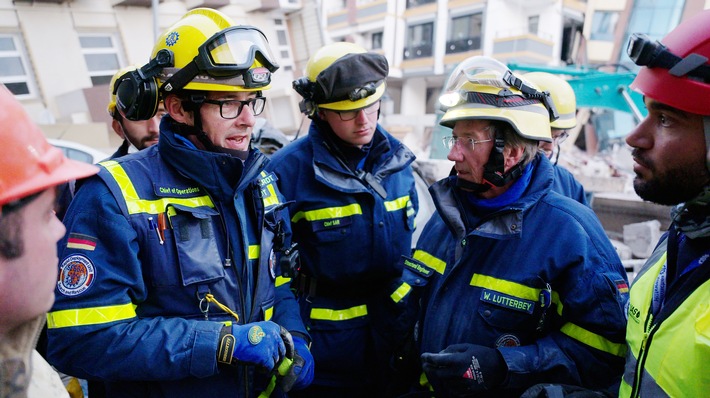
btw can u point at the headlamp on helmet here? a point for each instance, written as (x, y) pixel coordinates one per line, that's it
(484, 88)
(653, 54)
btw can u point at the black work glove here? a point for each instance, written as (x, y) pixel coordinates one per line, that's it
(465, 369)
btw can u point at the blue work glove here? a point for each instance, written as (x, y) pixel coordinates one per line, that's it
(258, 343)
(466, 369)
(302, 364)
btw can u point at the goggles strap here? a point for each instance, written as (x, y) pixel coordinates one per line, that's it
(181, 77)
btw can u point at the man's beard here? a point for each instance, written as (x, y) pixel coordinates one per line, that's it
(674, 186)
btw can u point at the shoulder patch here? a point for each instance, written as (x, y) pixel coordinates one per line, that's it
(81, 241)
(76, 275)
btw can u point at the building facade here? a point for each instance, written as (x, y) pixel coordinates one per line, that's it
(58, 56)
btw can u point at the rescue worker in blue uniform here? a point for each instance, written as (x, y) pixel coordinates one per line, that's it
(565, 102)
(170, 282)
(352, 204)
(518, 284)
(668, 312)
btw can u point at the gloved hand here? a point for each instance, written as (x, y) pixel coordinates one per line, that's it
(302, 364)
(465, 369)
(299, 373)
(258, 343)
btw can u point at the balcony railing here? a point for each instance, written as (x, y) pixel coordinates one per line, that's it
(421, 51)
(416, 3)
(463, 45)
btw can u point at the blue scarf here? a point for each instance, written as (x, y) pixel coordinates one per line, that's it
(506, 198)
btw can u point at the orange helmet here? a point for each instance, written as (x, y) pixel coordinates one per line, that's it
(29, 163)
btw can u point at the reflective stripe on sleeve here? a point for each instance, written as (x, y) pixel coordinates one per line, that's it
(90, 316)
(429, 260)
(401, 292)
(593, 340)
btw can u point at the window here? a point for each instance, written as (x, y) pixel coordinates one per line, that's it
(282, 47)
(420, 39)
(376, 42)
(533, 24)
(416, 3)
(464, 33)
(603, 25)
(14, 72)
(101, 55)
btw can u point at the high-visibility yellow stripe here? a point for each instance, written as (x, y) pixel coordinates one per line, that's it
(327, 314)
(593, 340)
(401, 292)
(280, 280)
(397, 204)
(328, 213)
(90, 316)
(507, 287)
(431, 261)
(514, 289)
(137, 205)
(268, 313)
(254, 252)
(270, 198)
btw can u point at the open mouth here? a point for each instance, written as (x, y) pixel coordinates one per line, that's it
(237, 141)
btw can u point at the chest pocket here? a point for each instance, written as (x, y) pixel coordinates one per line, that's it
(197, 251)
(505, 312)
(332, 230)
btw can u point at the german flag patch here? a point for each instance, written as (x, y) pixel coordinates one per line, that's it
(81, 241)
(622, 286)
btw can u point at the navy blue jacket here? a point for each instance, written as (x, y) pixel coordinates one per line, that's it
(565, 184)
(350, 239)
(147, 239)
(537, 279)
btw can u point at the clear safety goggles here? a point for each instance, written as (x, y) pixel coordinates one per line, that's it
(653, 54)
(229, 52)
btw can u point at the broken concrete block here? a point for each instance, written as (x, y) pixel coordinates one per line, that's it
(642, 237)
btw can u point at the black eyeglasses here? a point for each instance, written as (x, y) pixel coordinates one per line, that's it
(347, 116)
(231, 109)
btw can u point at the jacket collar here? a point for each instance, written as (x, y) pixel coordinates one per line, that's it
(461, 216)
(389, 156)
(219, 173)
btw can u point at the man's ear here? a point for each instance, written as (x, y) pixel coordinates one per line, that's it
(173, 106)
(512, 156)
(118, 128)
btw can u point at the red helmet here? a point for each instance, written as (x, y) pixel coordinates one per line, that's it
(677, 74)
(28, 163)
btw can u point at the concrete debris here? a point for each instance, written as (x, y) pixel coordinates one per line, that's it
(642, 237)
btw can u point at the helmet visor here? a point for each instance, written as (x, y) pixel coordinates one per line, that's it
(233, 50)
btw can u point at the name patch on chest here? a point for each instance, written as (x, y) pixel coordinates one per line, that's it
(506, 301)
(163, 191)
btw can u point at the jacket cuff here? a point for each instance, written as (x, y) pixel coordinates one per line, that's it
(203, 362)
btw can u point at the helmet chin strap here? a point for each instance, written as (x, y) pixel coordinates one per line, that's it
(493, 171)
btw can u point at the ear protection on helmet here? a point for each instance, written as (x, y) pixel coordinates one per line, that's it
(137, 94)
